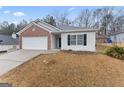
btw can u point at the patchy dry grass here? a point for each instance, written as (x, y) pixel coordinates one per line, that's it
(102, 47)
(68, 69)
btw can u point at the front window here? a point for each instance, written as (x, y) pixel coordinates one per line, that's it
(80, 39)
(72, 39)
(77, 39)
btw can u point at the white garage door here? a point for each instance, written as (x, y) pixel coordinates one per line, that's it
(37, 43)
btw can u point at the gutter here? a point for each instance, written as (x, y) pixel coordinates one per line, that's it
(78, 30)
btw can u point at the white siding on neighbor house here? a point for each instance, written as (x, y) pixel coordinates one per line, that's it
(90, 42)
(117, 38)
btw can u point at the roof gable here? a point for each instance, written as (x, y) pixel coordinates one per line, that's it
(53, 28)
(41, 25)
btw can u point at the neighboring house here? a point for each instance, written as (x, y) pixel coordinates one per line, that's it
(117, 37)
(8, 40)
(40, 35)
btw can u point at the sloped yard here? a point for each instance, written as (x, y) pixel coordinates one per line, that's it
(68, 69)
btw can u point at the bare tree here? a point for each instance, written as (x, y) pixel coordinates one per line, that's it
(61, 18)
(97, 16)
(108, 19)
(84, 18)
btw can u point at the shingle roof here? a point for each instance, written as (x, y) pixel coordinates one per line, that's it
(64, 27)
(61, 27)
(47, 25)
(58, 28)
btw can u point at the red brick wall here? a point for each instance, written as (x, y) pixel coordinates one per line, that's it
(37, 33)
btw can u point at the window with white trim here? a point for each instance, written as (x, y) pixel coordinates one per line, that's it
(72, 39)
(80, 40)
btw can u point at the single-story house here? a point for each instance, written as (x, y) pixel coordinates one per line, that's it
(43, 36)
(117, 37)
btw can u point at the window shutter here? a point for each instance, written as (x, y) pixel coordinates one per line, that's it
(68, 39)
(85, 39)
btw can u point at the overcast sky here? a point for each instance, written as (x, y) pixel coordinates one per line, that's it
(16, 13)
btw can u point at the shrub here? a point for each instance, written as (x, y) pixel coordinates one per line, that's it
(116, 52)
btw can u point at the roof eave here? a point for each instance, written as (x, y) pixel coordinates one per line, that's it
(85, 30)
(50, 25)
(78, 30)
(30, 24)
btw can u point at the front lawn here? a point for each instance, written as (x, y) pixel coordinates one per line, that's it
(68, 69)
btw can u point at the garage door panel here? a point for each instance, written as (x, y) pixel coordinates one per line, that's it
(36, 43)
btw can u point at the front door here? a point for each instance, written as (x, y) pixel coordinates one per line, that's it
(59, 42)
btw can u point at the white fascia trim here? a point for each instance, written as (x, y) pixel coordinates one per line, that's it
(45, 28)
(50, 25)
(29, 25)
(82, 30)
(79, 30)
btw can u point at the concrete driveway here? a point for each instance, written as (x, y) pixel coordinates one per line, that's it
(11, 60)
